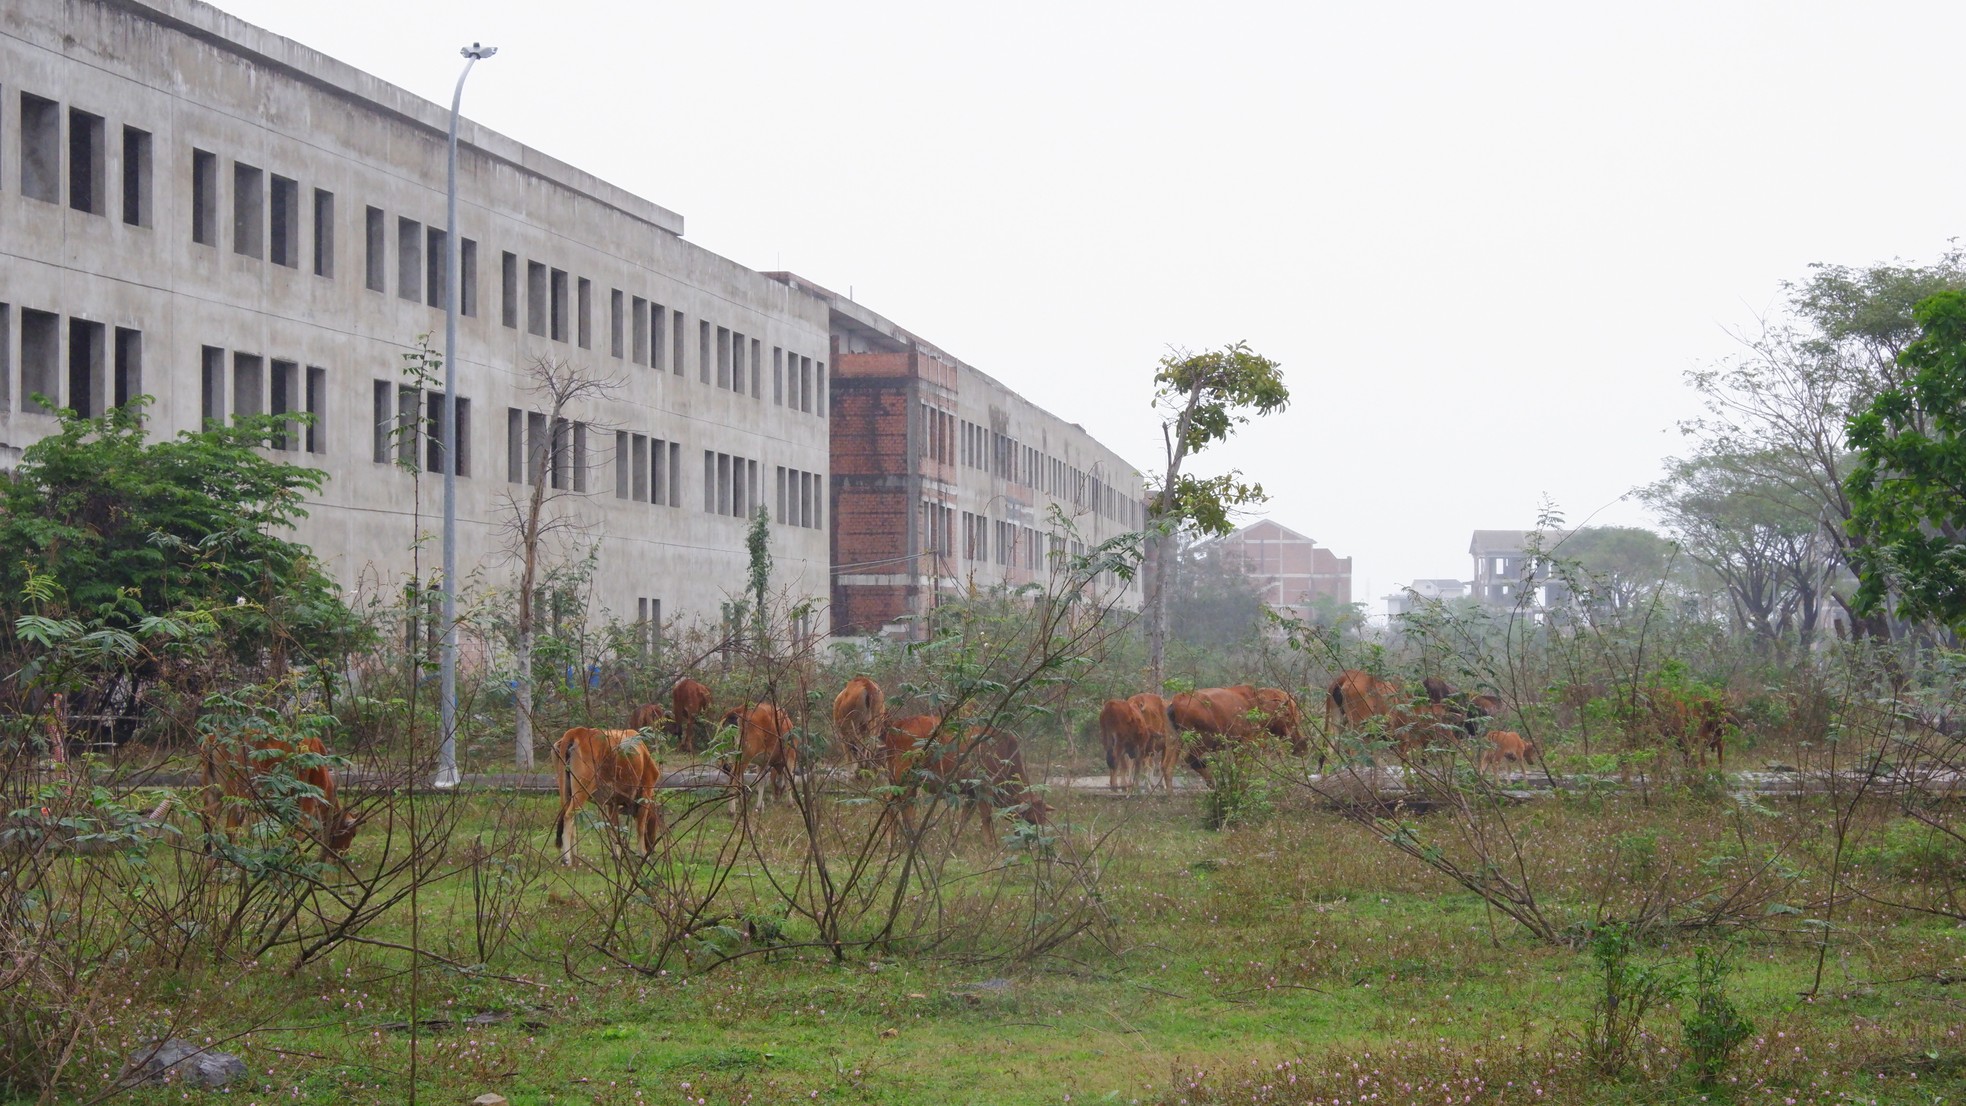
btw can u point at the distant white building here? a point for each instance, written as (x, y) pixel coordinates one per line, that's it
(1422, 591)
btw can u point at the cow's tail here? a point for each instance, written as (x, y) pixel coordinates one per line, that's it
(564, 752)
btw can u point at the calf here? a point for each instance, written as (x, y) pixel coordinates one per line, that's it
(985, 766)
(268, 773)
(858, 712)
(1127, 741)
(613, 769)
(648, 716)
(764, 739)
(689, 709)
(1505, 746)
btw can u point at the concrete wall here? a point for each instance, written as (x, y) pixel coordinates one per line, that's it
(191, 78)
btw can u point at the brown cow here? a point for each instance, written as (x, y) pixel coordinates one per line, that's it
(1277, 713)
(858, 713)
(1207, 721)
(263, 771)
(1504, 746)
(985, 766)
(617, 772)
(689, 710)
(648, 716)
(1357, 697)
(764, 738)
(1164, 745)
(1127, 741)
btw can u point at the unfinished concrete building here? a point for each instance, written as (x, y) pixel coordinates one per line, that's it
(945, 481)
(201, 211)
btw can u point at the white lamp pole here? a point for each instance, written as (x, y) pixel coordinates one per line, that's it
(447, 775)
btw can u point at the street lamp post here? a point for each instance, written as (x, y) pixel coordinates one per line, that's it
(447, 775)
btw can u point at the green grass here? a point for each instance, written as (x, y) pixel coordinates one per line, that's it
(1294, 961)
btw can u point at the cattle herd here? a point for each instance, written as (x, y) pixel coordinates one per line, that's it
(1145, 738)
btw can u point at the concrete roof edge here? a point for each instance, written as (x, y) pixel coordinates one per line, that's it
(207, 23)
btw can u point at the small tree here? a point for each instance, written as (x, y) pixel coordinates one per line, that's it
(532, 522)
(1202, 398)
(757, 542)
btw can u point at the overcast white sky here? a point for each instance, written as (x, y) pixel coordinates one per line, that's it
(1485, 241)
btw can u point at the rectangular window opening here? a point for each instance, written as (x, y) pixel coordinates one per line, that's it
(536, 298)
(211, 405)
(584, 312)
(323, 233)
(129, 366)
(283, 246)
(248, 210)
(657, 359)
(136, 177)
(639, 344)
(248, 384)
(376, 247)
(40, 149)
(409, 260)
(436, 263)
(284, 379)
(467, 278)
(85, 367)
(316, 434)
(615, 316)
(557, 301)
(204, 198)
(703, 359)
(508, 282)
(87, 162)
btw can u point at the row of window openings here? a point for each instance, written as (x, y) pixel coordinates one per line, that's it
(1016, 546)
(550, 312)
(949, 440)
(801, 496)
(408, 422)
(648, 470)
(87, 160)
(266, 214)
(258, 385)
(104, 364)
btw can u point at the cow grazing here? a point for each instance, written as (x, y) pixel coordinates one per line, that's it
(648, 716)
(275, 774)
(1209, 720)
(1277, 714)
(689, 713)
(617, 772)
(1164, 746)
(985, 766)
(1127, 741)
(859, 711)
(764, 739)
(1357, 697)
(1505, 746)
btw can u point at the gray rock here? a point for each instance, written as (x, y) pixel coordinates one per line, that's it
(181, 1062)
(489, 1099)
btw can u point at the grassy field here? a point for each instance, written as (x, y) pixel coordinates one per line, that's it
(1296, 960)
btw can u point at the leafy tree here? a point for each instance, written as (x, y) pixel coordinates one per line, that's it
(1908, 488)
(108, 531)
(1760, 539)
(1202, 398)
(1623, 563)
(1783, 406)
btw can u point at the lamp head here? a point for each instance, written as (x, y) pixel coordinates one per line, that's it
(478, 52)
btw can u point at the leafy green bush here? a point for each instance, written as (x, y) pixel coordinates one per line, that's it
(1243, 795)
(1628, 991)
(1714, 1028)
